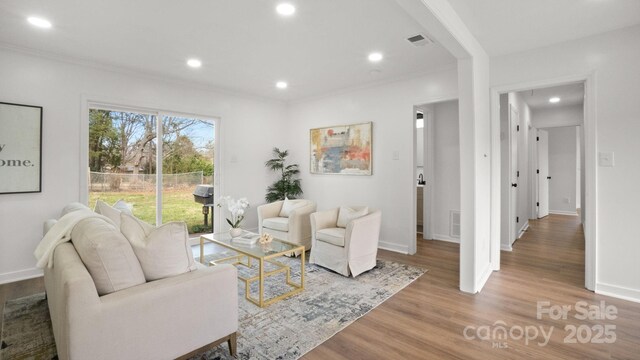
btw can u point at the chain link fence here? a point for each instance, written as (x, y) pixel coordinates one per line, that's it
(113, 182)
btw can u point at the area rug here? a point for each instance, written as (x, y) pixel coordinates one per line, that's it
(26, 330)
(284, 330)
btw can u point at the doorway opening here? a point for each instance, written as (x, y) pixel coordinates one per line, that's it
(437, 171)
(542, 152)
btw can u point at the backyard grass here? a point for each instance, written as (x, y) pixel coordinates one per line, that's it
(178, 205)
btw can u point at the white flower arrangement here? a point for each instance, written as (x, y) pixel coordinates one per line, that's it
(235, 207)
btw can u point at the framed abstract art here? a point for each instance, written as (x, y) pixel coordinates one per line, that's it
(341, 149)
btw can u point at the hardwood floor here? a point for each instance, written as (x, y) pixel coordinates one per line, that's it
(426, 320)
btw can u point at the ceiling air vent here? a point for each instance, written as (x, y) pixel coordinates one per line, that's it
(420, 40)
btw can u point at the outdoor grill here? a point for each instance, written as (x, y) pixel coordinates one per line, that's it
(203, 194)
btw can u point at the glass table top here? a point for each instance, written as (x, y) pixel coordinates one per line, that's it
(256, 250)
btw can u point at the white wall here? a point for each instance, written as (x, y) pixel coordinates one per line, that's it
(446, 195)
(505, 178)
(578, 168)
(392, 186)
(524, 195)
(562, 116)
(562, 169)
(250, 128)
(614, 58)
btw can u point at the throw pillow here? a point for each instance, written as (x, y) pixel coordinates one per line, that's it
(123, 207)
(163, 251)
(289, 205)
(346, 214)
(107, 255)
(113, 212)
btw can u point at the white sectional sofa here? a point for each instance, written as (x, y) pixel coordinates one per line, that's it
(173, 317)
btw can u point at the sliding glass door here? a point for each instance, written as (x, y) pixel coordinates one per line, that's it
(156, 178)
(188, 148)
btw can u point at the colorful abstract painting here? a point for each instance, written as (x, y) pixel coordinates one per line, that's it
(344, 149)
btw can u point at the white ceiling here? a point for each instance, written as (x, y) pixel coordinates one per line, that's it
(508, 26)
(572, 94)
(244, 46)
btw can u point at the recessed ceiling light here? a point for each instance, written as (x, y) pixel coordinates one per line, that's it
(285, 9)
(375, 57)
(281, 85)
(554, 100)
(39, 22)
(194, 63)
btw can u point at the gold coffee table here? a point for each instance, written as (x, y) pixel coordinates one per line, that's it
(261, 253)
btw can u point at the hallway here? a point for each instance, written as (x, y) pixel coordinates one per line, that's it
(427, 319)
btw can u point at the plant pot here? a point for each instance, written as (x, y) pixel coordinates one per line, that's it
(235, 232)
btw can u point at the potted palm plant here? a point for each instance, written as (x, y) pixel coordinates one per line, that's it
(288, 186)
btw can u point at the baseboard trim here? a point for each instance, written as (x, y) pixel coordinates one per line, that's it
(505, 247)
(562, 212)
(403, 249)
(618, 292)
(446, 238)
(484, 278)
(524, 228)
(20, 275)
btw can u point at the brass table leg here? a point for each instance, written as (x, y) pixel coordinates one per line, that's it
(261, 282)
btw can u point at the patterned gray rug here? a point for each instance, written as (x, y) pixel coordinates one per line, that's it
(26, 330)
(284, 330)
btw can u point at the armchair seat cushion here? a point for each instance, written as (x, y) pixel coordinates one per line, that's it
(276, 223)
(333, 236)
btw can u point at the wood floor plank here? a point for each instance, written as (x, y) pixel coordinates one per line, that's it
(427, 318)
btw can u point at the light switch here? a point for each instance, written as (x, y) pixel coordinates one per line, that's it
(605, 159)
(396, 155)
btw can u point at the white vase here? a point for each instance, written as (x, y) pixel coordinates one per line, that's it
(235, 232)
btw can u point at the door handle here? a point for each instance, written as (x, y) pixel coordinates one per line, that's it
(548, 177)
(514, 185)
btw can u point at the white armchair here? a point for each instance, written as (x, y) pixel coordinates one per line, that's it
(287, 220)
(349, 250)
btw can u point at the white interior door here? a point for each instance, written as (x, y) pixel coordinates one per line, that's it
(514, 121)
(543, 173)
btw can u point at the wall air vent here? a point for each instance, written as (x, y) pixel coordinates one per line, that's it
(454, 224)
(420, 40)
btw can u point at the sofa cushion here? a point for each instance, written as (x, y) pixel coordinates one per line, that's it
(163, 251)
(113, 212)
(289, 205)
(72, 207)
(107, 255)
(334, 236)
(346, 214)
(277, 223)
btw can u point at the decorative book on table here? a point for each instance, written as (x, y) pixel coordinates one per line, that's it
(247, 239)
